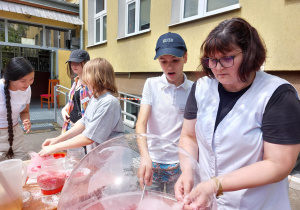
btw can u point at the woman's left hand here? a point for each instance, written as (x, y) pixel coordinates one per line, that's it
(27, 125)
(202, 196)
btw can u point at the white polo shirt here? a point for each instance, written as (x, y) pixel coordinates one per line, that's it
(167, 108)
(18, 100)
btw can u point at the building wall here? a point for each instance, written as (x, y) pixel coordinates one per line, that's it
(276, 21)
(63, 55)
(64, 80)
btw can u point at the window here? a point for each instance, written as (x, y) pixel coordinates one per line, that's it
(202, 8)
(58, 38)
(186, 10)
(2, 31)
(137, 16)
(24, 33)
(100, 21)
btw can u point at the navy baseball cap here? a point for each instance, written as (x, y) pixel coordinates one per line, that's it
(78, 56)
(170, 44)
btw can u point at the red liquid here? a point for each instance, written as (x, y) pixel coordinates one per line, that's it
(59, 155)
(51, 183)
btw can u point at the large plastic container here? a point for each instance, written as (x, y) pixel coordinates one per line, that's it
(106, 178)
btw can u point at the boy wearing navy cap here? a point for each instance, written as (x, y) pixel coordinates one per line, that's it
(161, 112)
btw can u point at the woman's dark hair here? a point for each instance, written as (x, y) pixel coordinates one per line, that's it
(239, 32)
(15, 69)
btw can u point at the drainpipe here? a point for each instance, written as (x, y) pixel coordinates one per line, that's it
(81, 27)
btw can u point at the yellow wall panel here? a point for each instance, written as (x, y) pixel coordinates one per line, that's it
(276, 21)
(64, 80)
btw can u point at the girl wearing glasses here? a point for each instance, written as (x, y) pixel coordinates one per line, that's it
(241, 124)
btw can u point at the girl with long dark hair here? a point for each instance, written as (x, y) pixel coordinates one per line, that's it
(15, 94)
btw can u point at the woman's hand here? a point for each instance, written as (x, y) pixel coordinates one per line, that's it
(27, 125)
(65, 115)
(145, 173)
(47, 150)
(202, 196)
(49, 142)
(183, 186)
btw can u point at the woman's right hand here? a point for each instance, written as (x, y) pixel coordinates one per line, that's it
(48, 142)
(183, 186)
(65, 115)
(145, 172)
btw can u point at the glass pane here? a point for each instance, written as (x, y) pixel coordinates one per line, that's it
(32, 56)
(98, 30)
(44, 60)
(131, 109)
(99, 5)
(104, 28)
(190, 8)
(57, 38)
(7, 54)
(145, 14)
(48, 37)
(66, 39)
(131, 18)
(217, 4)
(2, 31)
(24, 34)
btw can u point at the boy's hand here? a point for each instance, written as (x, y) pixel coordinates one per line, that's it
(145, 173)
(27, 125)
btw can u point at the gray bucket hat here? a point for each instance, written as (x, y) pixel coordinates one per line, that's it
(78, 56)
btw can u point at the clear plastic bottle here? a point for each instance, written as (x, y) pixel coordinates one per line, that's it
(73, 157)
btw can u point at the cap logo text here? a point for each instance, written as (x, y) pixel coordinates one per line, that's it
(167, 40)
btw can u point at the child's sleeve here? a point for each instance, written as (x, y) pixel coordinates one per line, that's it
(103, 122)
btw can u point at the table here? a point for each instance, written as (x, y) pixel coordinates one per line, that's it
(37, 199)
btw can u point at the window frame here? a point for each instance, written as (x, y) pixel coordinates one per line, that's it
(137, 17)
(202, 4)
(100, 16)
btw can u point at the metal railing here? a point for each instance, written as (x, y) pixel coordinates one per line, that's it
(57, 91)
(129, 98)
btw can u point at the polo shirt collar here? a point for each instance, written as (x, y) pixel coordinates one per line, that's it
(165, 83)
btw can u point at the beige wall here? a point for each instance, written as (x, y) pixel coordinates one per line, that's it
(64, 80)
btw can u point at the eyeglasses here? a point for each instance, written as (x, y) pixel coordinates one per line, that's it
(226, 61)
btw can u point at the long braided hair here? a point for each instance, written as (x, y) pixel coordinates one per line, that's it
(15, 69)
